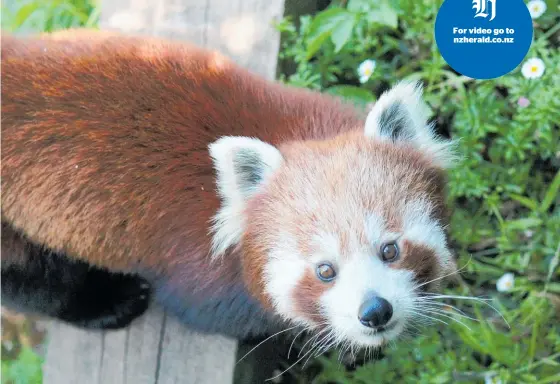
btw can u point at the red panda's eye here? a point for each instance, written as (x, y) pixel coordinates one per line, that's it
(325, 272)
(389, 252)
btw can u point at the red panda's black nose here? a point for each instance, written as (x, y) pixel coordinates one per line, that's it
(375, 312)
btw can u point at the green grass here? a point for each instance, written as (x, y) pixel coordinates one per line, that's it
(25, 369)
(48, 15)
(505, 192)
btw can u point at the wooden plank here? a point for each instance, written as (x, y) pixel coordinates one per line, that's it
(156, 348)
(142, 348)
(241, 29)
(73, 355)
(207, 356)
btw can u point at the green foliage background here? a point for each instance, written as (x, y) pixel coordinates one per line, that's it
(505, 191)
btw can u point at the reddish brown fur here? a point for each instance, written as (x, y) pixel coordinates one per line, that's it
(104, 144)
(421, 260)
(254, 262)
(307, 295)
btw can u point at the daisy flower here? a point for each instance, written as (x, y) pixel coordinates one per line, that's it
(523, 102)
(365, 70)
(533, 68)
(505, 283)
(492, 379)
(536, 8)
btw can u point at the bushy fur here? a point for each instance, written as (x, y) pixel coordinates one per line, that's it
(171, 164)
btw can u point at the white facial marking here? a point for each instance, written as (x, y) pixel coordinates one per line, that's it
(283, 271)
(420, 228)
(360, 273)
(327, 246)
(232, 157)
(364, 274)
(375, 226)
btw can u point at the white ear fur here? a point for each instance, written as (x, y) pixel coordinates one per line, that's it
(242, 165)
(400, 115)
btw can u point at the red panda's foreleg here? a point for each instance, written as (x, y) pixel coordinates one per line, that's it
(37, 280)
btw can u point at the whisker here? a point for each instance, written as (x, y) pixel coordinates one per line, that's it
(265, 340)
(443, 305)
(415, 327)
(290, 367)
(319, 348)
(407, 334)
(295, 338)
(344, 351)
(352, 353)
(476, 299)
(443, 277)
(328, 344)
(449, 317)
(426, 316)
(308, 357)
(315, 337)
(319, 341)
(458, 312)
(430, 296)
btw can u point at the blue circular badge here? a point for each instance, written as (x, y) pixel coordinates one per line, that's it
(483, 39)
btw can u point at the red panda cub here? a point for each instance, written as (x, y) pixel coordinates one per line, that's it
(138, 170)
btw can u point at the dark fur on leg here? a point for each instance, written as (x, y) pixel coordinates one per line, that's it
(51, 284)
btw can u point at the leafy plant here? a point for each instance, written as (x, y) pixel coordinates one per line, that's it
(505, 190)
(26, 369)
(48, 15)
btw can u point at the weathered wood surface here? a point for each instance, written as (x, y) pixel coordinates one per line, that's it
(156, 348)
(241, 29)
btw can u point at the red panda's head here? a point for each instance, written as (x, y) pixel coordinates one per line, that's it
(340, 235)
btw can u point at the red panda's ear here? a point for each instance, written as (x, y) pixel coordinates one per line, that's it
(400, 115)
(243, 165)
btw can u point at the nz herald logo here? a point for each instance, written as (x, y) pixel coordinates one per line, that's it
(485, 9)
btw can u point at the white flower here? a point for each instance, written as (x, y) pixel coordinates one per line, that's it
(505, 283)
(536, 8)
(533, 68)
(492, 379)
(365, 70)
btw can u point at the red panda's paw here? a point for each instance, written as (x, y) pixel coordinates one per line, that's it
(50, 284)
(108, 301)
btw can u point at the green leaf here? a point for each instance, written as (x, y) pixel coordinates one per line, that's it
(550, 379)
(552, 193)
(553, 264)
(384, 15)
(322, 26)
(356, 95)
(342, 32)
(93, 18)
(416, 76)
(525, 201)
(24, 13)
(527, 223)
(359, 5)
